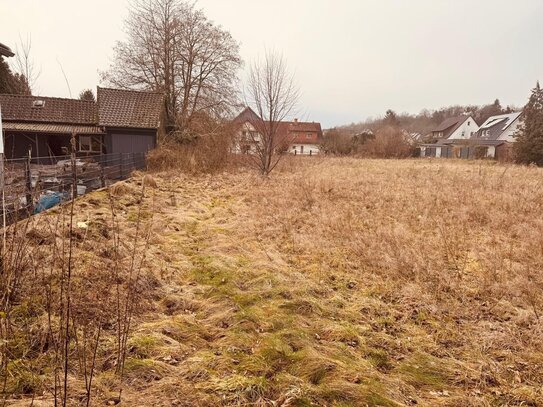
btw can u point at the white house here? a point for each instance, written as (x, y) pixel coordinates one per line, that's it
(456, 128)
(452, 129)
(496, 131)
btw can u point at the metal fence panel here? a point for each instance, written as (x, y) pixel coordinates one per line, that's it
(34, 183)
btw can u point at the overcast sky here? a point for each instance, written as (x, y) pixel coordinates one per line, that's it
(352, 58)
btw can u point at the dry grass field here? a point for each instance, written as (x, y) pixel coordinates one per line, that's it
(335, 282)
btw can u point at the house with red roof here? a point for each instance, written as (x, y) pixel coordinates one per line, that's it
(295, 137)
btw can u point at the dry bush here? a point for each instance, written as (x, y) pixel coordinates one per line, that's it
(204, 154)
(337, 142)
(389, 142)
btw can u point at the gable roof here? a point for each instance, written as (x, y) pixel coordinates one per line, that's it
(449, 126)
(496, 125)
(247, 115)
(129, 108)
(23, 108)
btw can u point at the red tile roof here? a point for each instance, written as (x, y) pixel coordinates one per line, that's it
(128, 108)
(23, 108)
(292, 132)
(300, 132)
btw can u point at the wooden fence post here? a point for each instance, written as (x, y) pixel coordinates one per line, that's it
(102, 177)
(121, 175)
(74, 167)
(28, 184)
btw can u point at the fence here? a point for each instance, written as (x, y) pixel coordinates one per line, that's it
(34, 184)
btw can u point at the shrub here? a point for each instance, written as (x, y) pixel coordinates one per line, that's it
(389, 142)
(204, 154)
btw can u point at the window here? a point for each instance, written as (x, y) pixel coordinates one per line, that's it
(90, 144)
(469, 123)
(309, 135)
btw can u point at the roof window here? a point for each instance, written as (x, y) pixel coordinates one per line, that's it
(38, 103)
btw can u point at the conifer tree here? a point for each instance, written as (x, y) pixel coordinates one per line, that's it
(529, 145)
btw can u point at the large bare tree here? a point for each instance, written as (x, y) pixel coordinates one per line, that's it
(173, 48)
(272, 93)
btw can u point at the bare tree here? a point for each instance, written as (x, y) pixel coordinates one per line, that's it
(173, 48)
(25, 65)
(274, 96)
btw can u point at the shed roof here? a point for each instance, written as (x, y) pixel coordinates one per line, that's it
(129, 108)
(24, 108)
(51, 128)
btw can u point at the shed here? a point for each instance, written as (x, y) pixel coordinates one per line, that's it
(120, 121)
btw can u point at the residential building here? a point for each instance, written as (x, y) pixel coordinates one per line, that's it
(492, 139)
(456, 128)
(496, 133)
(295, 137)
(450, 131)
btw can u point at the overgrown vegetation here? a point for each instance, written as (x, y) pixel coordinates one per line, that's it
(529, 145)
(335, 282)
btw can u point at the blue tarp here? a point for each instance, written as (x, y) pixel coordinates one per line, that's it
(47, 202)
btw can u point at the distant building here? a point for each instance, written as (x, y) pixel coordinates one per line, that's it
(120, 121)
(451, 130)
(491, 140)
(295, 137)
(455, 128)
(496, 133)
(5, 51)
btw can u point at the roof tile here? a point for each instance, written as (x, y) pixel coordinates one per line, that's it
(128, 108)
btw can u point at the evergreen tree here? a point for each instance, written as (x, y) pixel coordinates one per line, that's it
(391, 119)
(87, 94)
(10, 82)
(529, 145)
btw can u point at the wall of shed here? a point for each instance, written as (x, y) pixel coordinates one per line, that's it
(16, 145)
(129, 140)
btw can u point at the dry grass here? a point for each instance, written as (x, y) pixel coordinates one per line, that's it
(338, 282)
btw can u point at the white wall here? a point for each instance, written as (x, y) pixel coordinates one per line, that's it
(241, 139)
(307, 148)
(510, 131)
(465, 130)
(491, 151)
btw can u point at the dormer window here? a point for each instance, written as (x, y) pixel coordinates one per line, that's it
(38, 104)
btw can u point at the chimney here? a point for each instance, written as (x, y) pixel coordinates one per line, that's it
(295, 120)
